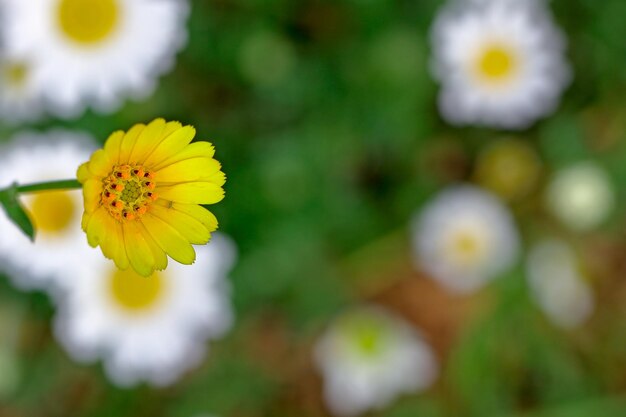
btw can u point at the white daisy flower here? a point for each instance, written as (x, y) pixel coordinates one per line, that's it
(581, 196)
(500, 63)
(557, 285)
(95, 52)
(20, 98)
(368, 357)
(464, 238)
(146, 329)
(36, 157)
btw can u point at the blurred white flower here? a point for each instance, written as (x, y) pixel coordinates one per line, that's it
(464, 238)
(557, 285)
(146, 329)
(581, 196)
(20, 96)
(500, 63)
(36, 157)
(368, 357)
(94, 52)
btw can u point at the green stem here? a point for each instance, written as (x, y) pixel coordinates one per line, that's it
(50, 185)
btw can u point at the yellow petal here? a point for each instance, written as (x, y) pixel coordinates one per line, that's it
(106, 232)
(192, 192)
(171, 145)
(187, 170)
(113, 144)
(190, 228)
(170, 128)
(116, 240)
(128, 142)
(218, 178)
(83, 174)
(169, 239)
(199, 213)
(193, 150)
(138, 251)
(147, 140)
(92, 192)
(96, 227)
(108, 243)
(160, 258)
(85, 221)
(99, 164)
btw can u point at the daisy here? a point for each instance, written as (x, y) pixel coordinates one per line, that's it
(20, 99)
(149, 330)
(95, 52)
(581, 196)
(368, 357)
(500, 63)
(142, 195)
(464, 238)
(35, 157)
(557, 285)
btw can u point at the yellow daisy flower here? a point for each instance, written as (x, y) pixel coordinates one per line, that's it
(142, 195)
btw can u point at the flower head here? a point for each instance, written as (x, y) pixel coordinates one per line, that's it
(500, 63)
(581, 196)
(142, 329)
(464, 238)
(558, 283)
(142, 195)
(94, 53)
(368, 357)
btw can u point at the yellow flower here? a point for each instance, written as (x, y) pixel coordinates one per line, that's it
(142, 195)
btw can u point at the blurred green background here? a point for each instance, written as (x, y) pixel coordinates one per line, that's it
(324, 116)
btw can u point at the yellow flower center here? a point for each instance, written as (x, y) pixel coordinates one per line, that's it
(135, 293)
(369, 342)
(466, 247)
(367, 335)
(510, 168)
(15, 74)
(496, 63)
(88, 21)
(52, 211)
(128, 192)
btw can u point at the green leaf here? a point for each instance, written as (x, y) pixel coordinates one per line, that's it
(15, 211)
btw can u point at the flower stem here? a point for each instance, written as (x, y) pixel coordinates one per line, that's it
(50, 185)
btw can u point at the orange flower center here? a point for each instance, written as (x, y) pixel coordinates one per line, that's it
(128, 192)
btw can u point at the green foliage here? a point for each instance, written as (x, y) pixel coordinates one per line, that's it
(9, 199)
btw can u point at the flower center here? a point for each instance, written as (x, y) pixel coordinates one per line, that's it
(88, 21)
(135, 293)
(52, 212)
(128, 192)
(466, 247)
(496, 63)
(367, 336)
(15, 74)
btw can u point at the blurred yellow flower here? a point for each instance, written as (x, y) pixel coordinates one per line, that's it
(511, 168)
(142, 195)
